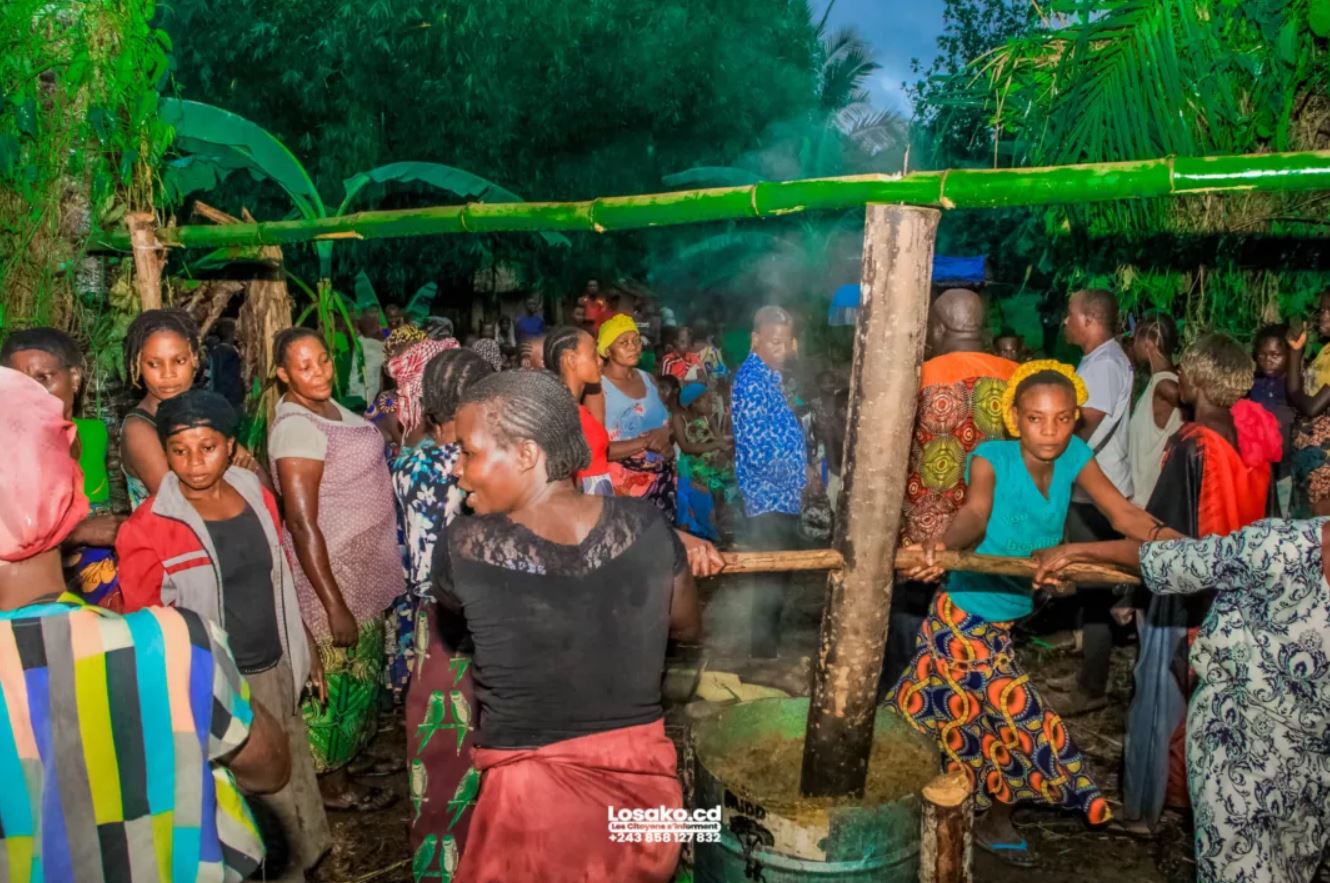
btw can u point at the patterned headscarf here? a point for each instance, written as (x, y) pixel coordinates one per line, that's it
(408, 370)
(402, 337)
(489, 350)
(42, 481)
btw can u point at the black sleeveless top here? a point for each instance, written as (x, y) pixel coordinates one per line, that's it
(569, 640)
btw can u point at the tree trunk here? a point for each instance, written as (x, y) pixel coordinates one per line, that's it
(946, 843)
(884, 384)
(149, 258)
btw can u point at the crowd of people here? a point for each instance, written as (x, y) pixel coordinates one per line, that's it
(501, 534)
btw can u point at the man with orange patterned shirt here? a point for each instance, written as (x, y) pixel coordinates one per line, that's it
(960, 408)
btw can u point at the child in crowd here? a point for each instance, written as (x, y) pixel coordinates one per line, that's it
(964, 685)
(1010, 346)
(209, 541)
(679, 360)
(706, 463)
(1270, 391)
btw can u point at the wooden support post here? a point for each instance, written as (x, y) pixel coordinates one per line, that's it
(884, 384)
(945, 842)
(149, 258)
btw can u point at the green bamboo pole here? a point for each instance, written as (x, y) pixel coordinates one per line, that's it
(954, 188)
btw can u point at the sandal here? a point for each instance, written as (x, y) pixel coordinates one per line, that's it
(1017, 854)
(363, 799)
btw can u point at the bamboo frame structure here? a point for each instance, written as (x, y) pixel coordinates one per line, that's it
(953, 188)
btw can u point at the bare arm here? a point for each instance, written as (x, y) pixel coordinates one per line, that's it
(1090, 420)
(1121, 553)
(1309, 405)
(263, 764)
(141, 451)
(1127, 519)
(631, 447)
(685, 611)
(299, 478)
(969, 525)
(1166, 400)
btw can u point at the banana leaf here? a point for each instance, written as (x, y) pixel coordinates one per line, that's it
(458, 182)
(217, 142)
(713, 176)
(418, 307)
(366, 297)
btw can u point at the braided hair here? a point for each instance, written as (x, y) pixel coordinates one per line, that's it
(446, 379)
(558, 341)
(150, 322)
(52, 341)
(530, 404)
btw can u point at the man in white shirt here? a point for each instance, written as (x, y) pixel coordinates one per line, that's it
(1091, 325)
(367, 365)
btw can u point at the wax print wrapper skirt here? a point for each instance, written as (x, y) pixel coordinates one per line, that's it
(440, 716)
(354, 675)
(964, 688)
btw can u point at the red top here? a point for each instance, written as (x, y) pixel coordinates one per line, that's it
(598, 440)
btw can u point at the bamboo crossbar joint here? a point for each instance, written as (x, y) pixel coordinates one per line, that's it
(948, 189)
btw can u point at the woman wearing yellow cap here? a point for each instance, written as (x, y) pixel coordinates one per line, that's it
(641, 448)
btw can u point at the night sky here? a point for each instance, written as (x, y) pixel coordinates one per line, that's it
(898, 30)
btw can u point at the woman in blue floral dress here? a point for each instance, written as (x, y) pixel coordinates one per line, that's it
(1258, 725)
(440, 704)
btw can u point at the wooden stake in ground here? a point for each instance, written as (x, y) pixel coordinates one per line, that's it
(149, 258)
(946, 839)
(884, 384)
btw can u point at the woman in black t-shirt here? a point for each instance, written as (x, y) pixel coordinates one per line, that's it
(569, 600)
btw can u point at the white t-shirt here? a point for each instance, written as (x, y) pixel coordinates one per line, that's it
(372, 356)
(298, 436)
(1107, 374)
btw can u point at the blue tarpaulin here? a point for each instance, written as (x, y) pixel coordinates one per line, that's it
(955, 270)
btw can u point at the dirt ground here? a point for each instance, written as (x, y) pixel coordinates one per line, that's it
(373, 847)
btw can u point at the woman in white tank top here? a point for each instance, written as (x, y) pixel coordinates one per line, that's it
(1156, 415)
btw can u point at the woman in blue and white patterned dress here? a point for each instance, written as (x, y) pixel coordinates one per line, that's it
(1258, 725)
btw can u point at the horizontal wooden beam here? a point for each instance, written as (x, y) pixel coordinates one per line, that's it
(907, 559)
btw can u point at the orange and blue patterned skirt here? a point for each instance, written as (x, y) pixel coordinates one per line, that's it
(964, 688)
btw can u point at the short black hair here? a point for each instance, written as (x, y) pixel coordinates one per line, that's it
(150, 322)
(559, 340)
(1044, 378)
(1006, 332)
(1100, 305)
(531, 404)
(48, 340)
(669, 335)
(446, 379)
(283, 340)
(1265, 332)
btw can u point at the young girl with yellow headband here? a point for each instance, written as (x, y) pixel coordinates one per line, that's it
(963, 685)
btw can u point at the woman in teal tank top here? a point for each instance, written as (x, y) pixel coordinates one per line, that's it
(964, 686)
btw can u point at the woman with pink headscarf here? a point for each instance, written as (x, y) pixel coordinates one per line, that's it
(407, 369)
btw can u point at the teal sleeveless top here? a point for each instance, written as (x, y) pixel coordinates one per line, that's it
(1022, 521)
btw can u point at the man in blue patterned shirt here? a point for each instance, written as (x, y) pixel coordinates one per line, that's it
(771, 461)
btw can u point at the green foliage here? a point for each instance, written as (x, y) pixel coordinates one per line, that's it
(79, 139)
(1109, 80)
(561, 100)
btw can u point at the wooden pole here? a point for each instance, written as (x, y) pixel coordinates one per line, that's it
(884, 384)
(149, 258)
(908, 559)
(946, 838)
